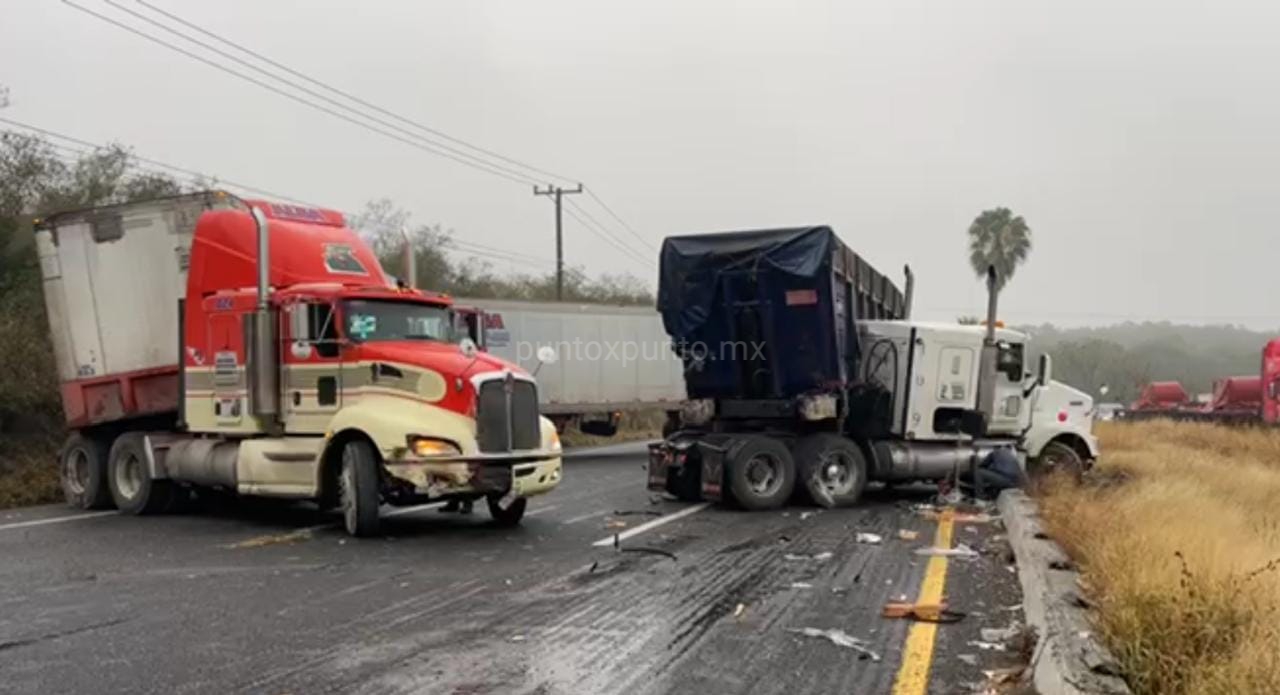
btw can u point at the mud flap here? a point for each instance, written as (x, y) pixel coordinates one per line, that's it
(660, 458)
(713, 457)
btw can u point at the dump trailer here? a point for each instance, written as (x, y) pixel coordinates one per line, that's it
(612, 359)
(806, 375)
(209, 342)
(1238, 400)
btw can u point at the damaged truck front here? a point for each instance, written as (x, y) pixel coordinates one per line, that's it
(806, 375)
(206, 341)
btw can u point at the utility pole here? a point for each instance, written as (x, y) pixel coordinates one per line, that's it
(558, 192)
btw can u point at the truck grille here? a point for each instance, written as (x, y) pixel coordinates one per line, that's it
(507, 416)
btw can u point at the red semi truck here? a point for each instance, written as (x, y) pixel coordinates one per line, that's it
(1235, 399)
(208, 341)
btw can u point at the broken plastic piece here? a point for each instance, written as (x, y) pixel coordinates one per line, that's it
(869, 538)
(839, 638)
(908, 535)
(924, 612)
(1000, 634)
(970, 659)
(801, 585)
(738, 611)
(986, 646)
(960, 550)
(820, 557)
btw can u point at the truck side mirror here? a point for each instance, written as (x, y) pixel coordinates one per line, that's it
(1046, 370)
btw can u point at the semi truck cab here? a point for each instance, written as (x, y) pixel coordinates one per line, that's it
(296, 369)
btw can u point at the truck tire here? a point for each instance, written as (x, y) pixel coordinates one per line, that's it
(132, 487)
(509, 515)
(1056, 457)
(762, 472)
(832, 470)
(358, 493)
(82, 471)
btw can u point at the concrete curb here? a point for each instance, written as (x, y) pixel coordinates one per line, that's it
(1068, 658)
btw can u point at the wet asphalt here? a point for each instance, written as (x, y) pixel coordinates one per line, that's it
(274, 598)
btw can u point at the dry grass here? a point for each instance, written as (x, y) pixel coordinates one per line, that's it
(28, 471)
(1178, 534)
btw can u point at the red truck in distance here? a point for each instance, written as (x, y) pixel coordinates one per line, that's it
(1250, 399)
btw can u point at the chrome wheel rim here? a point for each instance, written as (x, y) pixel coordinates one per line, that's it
(77, 471)
(764, 474)
(129, 475)
(836, 473)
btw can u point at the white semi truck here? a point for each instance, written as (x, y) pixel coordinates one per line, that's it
(806, 374)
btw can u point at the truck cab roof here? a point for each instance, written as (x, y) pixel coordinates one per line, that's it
(954, 330)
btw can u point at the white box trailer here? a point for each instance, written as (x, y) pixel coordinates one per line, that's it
(611, 359)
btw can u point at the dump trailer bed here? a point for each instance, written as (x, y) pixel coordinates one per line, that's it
(112, 280)
(769, 314)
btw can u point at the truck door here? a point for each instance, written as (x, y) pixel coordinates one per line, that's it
(312, 367)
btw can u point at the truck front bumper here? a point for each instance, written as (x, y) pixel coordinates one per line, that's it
(522, 474)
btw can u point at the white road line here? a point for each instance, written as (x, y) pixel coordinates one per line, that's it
(653, 524)
(584, 517)
(539, 510)
(415, 508)
(54, 520)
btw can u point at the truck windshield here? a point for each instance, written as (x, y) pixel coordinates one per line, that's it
(377, 319)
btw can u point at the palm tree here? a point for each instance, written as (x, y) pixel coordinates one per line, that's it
(997, 238)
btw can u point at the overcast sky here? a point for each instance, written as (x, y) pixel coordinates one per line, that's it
(1140, 140)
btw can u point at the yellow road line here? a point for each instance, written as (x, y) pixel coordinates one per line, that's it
(917, 655)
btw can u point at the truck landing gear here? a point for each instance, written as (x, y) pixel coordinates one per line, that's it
(832, 469)
(762, 473)
(82, 470)
(358, 488)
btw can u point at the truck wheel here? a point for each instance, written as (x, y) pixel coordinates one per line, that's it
(762, 473)
(832, 470)
(82, 470)
(1056, 457)
(358, 488)
(132, 487)
(509, 515)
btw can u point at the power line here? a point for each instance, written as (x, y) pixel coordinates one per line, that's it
(596, 228)
(292, 97)
(313, 93)
(629, 254)
(195, 175)
(491, 249)
(348, 95)
(615, 216)
(419, 142)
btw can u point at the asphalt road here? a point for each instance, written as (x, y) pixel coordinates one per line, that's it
(262, 598)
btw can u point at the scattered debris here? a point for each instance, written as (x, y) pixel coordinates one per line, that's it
(839, 638)
(820, 557)
(961, 550)
(908, 535)
(869, 538)
(518, 638)
(650, 551)
(801, 585)
(970, 659)
(1001, 634)
(273, 539)
(805, 515)
(986, 646)
(1001, 676)
(1014, 607)
(963, 518)
(615, 523)
(924, 612)
(592, 568)
(739, 609)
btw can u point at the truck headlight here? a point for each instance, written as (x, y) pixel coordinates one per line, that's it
(427, 447)
(555, 440)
